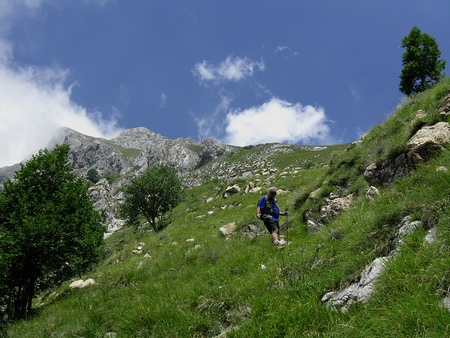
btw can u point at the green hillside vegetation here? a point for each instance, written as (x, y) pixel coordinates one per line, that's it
(189, 281)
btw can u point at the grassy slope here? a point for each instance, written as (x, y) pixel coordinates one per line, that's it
(252, 289)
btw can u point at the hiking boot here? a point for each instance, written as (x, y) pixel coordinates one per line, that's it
(281, 241)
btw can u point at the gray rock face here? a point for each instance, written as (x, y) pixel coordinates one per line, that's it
(362, 290)
(127, 155)
(139, 138)
(211, 149)
(8, 172)
(385, 173)
(444, 109)
(422, 146)
(133, 151)
(103, 199)
(429, 139)
(95, 153)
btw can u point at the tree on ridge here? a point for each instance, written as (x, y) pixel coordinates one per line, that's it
(422, 67)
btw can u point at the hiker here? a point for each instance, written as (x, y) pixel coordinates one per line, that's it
(268, 211)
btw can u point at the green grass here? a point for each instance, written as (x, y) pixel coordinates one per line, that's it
(248, 288)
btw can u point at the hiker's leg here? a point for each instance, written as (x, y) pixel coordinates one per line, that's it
(276, 231)
(269, 227)
(274, 236)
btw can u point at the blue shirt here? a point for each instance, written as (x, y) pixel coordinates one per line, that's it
(276, 210)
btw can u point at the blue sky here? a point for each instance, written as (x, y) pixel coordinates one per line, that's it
(243, 72)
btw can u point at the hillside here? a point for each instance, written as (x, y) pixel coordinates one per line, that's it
(368, 232)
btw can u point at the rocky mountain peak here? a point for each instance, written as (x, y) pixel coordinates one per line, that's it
(139, 138)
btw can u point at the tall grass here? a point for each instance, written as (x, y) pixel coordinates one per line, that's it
(189, 281)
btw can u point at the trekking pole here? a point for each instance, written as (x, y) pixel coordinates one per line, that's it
(287, 227)
(257, 228)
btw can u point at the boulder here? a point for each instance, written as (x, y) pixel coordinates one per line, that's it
(228, 229)
(421, 148)
(357, 292)
(385, 173)
(429, 139)
(334, 206)
(231, 190)
(372, 193)
(444, 109)
(79, 284)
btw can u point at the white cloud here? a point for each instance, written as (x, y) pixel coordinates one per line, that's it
(10, 6)
(34, 101)
(355, 93)
(34, 104)
(285, 51)
(277, 121)
(6, 51)
(231, 69)
(163, 100)
(281, 48)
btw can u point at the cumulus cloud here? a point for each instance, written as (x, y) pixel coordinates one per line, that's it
(274, 121)
(34, 101)
(277, 121)
(231, 69)
(34, 104)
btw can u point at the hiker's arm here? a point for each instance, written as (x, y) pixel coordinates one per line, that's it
(258, 212)
(284, 213)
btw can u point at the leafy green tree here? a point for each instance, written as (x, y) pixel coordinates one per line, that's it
(49, 229)
(421, 64)
(152, 195)
(92, 175)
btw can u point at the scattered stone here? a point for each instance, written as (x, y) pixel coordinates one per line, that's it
(444, 109)
(228, 229)
(446, 302)
(406, 227)
(138, 249)
(420, 114)
(431, 236)
(372, 193)
(79, 284)
(231, 190)
(334, 206)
